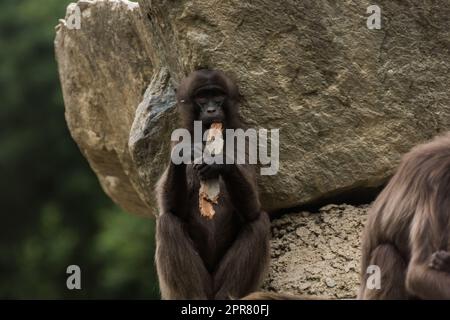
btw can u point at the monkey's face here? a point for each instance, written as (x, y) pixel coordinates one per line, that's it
(210, 103)
(208, 96)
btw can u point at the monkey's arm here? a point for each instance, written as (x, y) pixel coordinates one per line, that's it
(422, 280)
(427, 283)
(172, 187)
(428, 233)
(240, 182)
(241, 186)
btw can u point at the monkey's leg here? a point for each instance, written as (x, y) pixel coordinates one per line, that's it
(245, 264)
(261, 295)
(181, 272)
(172, 190)
(393, 273)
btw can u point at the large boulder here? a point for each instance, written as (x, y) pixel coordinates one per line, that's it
(104, 70)
(348, 100)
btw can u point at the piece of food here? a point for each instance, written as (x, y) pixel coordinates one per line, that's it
(209, 195)
(210, 189)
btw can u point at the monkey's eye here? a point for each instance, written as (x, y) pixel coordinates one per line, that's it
(201, 100)
(219, 100)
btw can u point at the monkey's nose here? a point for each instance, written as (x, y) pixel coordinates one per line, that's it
(211, 110)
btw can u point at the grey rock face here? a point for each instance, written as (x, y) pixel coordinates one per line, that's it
(348, 100)
(104, 70)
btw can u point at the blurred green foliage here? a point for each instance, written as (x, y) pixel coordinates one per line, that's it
(53, 211)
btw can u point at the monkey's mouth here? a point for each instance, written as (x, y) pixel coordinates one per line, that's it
(207, 122)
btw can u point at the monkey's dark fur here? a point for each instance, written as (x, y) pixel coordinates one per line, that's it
(407, 232)
(225, 257)
(262, 295)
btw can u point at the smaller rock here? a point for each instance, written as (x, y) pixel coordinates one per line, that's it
(330, 283)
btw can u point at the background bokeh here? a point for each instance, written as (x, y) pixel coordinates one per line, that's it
(53, 211)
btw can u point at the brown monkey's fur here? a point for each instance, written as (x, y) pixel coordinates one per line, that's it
(407, 232)
(262, 295)
(228, 255)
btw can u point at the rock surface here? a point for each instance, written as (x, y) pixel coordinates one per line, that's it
(317, 254)
(348, 100)
(104, 70)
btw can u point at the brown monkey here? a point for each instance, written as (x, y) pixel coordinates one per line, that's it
(407, 232)
(227, 256)
(264, 295)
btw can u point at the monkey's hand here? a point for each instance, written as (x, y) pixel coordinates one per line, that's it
(210, 171)
(440, 260)
(185, 153)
